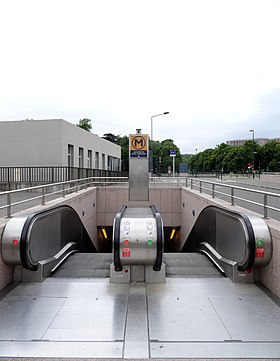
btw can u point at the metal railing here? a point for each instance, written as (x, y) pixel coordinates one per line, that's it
(18, 197)
(52, 174)
(262, 200)
(167, 181)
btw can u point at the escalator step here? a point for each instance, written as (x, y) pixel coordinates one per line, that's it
(189, 265)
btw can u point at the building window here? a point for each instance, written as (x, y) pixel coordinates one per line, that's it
(113, 163)
(109, 163)
(96, 160)
(70, 155)
(103, 161)
(89, 159)
(81, 157)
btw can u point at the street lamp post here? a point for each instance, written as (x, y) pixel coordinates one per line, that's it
(253, 138)
(152, 146)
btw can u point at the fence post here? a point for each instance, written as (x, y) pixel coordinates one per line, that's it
(43, 196)
(63, 190)
(191, 183)
(9, 203)
(213, 190)
(265, 205)
(232, 196)
(200, 186)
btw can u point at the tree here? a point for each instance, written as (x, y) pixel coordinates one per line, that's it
(270, 156)
(111, 137)
(85, 124)
(124, 143)
(166, 160)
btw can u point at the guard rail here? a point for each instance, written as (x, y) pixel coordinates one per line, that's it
(267, 201)
(7, 198)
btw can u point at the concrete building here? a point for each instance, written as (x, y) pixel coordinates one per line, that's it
(260, 141)
(55, 142)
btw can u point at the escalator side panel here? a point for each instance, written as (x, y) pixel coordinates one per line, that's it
(42, 235)
(232, 235)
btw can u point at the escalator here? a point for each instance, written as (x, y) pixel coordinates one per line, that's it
(42, 242)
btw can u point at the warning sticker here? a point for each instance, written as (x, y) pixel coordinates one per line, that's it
(260, 252)
(126, 252)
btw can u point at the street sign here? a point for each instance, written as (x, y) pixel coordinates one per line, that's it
(172, 153)
(138, 145)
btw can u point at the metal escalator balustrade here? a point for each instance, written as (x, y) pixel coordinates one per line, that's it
(44, 239)
(137, 242)
(236, 242)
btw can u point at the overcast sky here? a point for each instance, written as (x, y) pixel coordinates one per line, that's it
(213, 64)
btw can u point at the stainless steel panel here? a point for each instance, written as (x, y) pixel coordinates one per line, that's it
(71, 288)
(10, 250)
(91, 319)
(137, 229)
(262, 235)
(214, 350)
(249, 318)
(27, 318)
(201, 287)
(136, 336)
(184, 318)
(231, 236)
(137, 273)
(152, 276)
(138, 179)
(120, 276)
(70, 350)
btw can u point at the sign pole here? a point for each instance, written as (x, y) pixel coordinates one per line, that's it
(173, 154)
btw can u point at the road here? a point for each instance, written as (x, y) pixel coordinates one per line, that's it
(251, 185)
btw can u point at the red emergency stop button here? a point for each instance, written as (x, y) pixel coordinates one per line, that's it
(15, 242)
(126, 242)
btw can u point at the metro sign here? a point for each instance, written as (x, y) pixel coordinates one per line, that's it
(138, 145)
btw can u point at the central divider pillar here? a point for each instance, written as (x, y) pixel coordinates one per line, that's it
(138, 240)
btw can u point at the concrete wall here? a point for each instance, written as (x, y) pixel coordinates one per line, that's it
(45, 143)
(270, 178)
(193, 202)
(30, 143)
(166, 199)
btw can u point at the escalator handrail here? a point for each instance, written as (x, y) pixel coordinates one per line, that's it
(249, 258)
(116, 239)
(24, 244)
(158, 261)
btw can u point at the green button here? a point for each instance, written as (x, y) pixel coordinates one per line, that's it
(150, 242)
(260, 243)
